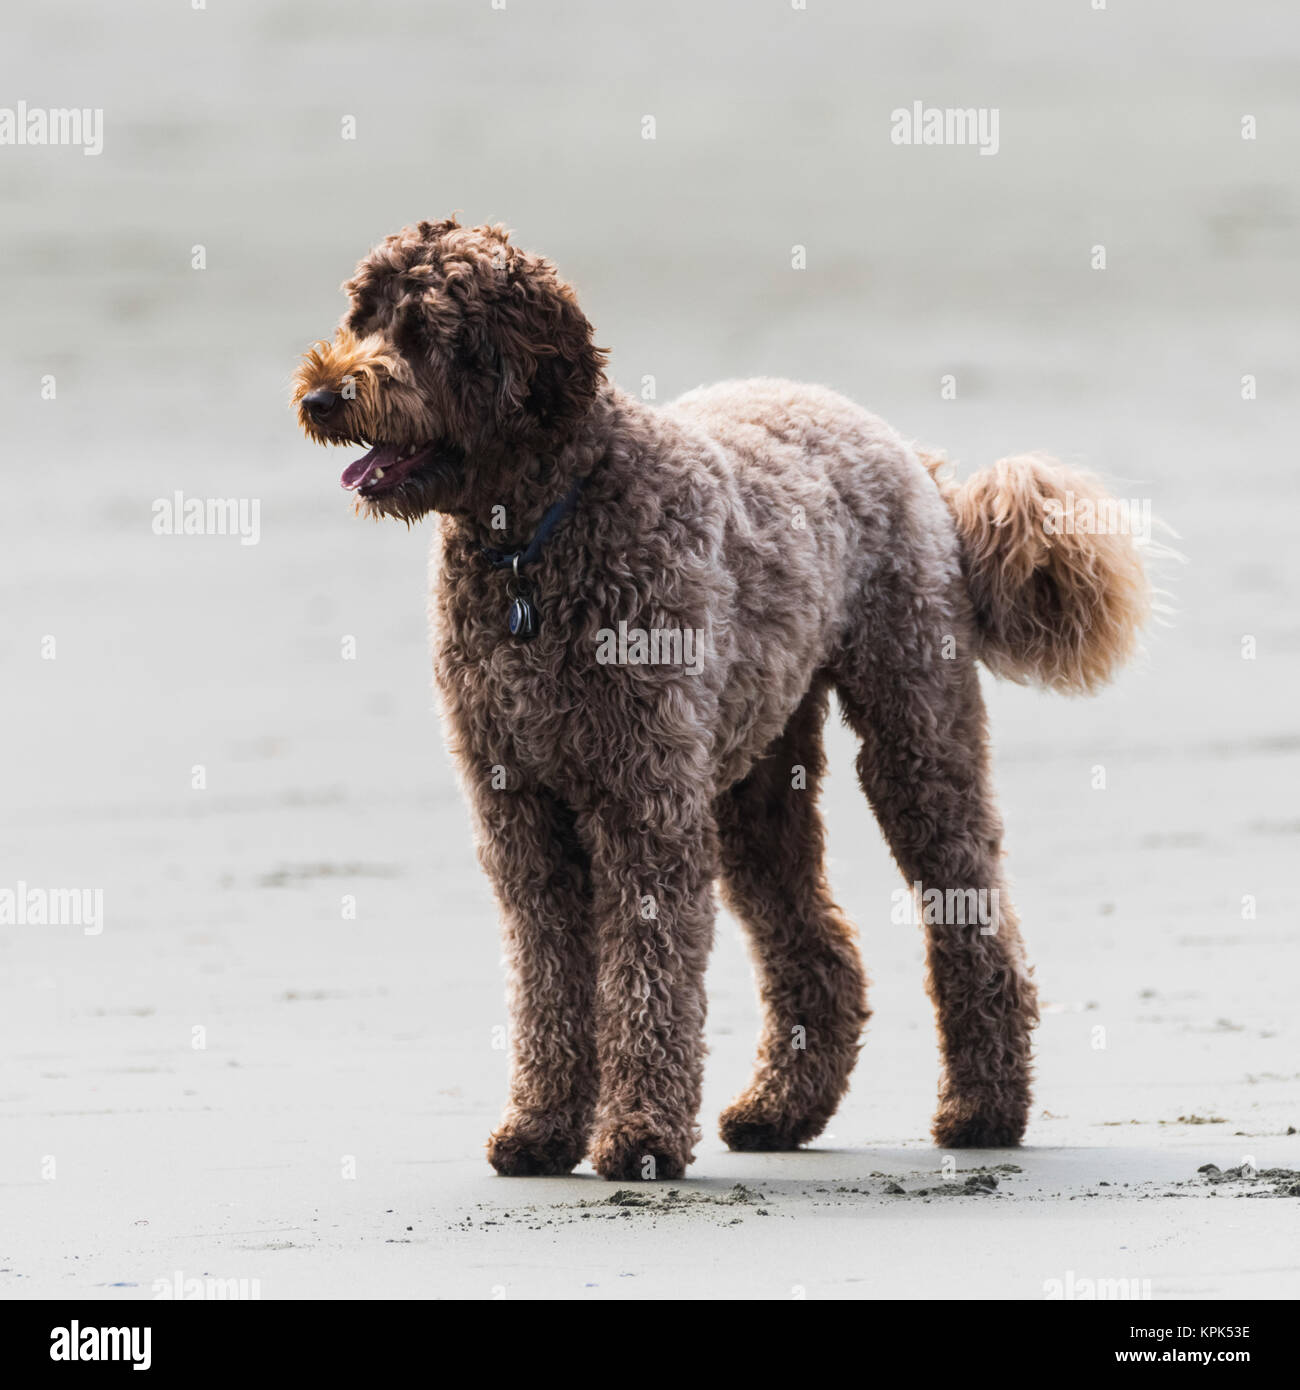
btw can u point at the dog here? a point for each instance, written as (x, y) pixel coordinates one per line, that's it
(798, 546)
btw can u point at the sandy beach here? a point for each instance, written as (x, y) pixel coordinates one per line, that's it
(279, 1059)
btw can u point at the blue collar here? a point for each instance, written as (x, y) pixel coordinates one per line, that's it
(555, 513)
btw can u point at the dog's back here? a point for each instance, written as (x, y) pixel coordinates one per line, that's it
(828, 510)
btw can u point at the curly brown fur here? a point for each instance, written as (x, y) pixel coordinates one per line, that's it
(812, 549)
(1056, 608)
(811, 980)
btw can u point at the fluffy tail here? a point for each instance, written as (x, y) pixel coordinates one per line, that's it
(1054, 568)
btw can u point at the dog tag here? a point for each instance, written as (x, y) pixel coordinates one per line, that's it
(522, 619)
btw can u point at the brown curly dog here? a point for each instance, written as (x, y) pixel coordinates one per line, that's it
(639, 615)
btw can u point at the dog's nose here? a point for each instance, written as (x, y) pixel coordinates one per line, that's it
(318, 404)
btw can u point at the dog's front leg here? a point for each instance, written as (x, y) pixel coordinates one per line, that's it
(529, 848)
(653, 863)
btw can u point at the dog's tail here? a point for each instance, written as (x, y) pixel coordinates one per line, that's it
(1055, 571)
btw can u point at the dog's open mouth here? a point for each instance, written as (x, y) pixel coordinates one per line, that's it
(386, 467)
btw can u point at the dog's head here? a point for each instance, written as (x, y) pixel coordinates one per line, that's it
(458, 351)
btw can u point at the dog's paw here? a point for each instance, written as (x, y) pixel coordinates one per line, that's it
(752, 1126)
(520, 1149)
(978, 1125)
(637, 1152)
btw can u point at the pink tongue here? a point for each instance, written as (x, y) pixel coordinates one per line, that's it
(381, 456)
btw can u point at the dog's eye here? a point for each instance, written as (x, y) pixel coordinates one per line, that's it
(410, 331)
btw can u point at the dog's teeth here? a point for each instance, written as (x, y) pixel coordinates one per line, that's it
(378, 474)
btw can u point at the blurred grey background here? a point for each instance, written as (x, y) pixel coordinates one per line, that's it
(1119, 127)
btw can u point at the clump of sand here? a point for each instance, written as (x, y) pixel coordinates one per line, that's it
(1285, 1181)
(737, 1196)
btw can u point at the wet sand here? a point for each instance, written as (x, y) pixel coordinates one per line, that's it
(326, 1140)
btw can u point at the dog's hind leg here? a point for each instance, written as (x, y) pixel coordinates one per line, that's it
(540, 873)
(810, 976)
(924, 768)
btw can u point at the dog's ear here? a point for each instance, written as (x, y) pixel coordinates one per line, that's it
(550, 368)
(529, 346)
